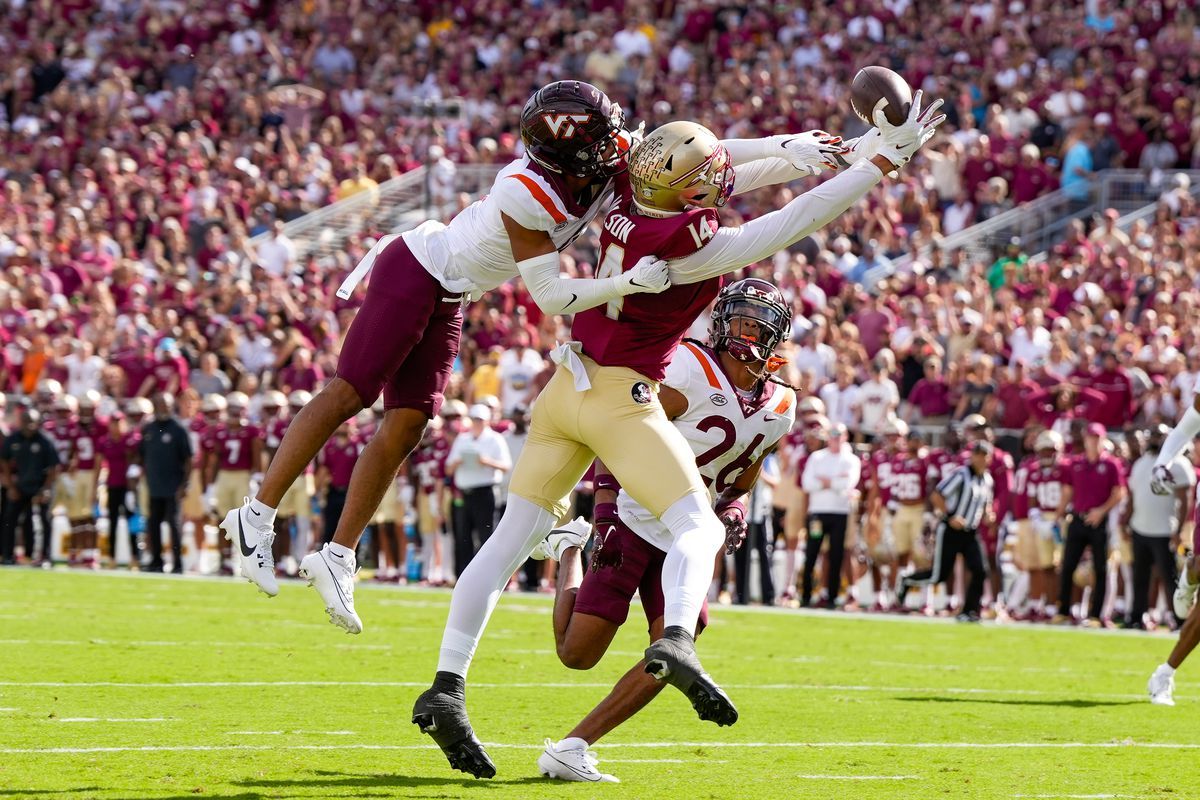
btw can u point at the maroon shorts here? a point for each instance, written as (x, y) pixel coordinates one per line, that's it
(607, 592)
(404, 339)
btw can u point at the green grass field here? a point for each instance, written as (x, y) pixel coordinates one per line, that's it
(147, 687)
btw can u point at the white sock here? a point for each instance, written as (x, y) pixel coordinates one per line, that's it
(341, 551)
(688, 567)
(571, 743)
(262, 514)
(1167, 670)
(523, 525)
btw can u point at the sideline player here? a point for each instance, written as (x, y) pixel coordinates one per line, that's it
(404, 339)
(234, 452)
(1039, 506)
(602, 402)
(706, 392)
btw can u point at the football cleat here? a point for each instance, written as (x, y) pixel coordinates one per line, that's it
(333, 578)
(252, 547)
(574, 534)
(1184, 596)
(441, 712)
(1162, 686)
(572, 763)
(673, 659)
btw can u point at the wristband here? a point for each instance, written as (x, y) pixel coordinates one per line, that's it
(736, 506)
(607, 482)
(606, 512)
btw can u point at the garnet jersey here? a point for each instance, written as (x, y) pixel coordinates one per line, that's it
(428, 462)
(116, 454)
(85, 437)
(233, 446)
(727, 434)
(198, 431)
(942, 463)
(641, 331)
(909, 478)
(61, 431)
(274, 429)
(877, 473)
(339, 457)
(1044, 486)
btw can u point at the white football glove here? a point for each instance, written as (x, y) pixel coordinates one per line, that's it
(1162, 482)
(811, 151)
(863, 148)
(634, 137)
(649, 275)
(898, 143)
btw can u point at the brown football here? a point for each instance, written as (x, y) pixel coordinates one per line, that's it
(872, 84)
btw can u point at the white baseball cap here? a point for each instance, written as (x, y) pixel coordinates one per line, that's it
(480, 411)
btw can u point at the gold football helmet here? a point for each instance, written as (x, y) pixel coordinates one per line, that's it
(678, 166)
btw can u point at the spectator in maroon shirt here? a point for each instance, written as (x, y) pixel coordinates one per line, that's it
(875, 325)
(930, 396)
(301, 374)
(1112, 381)
(1031, 178)
(1097, 485)
(1012, 396)
(1064, 402)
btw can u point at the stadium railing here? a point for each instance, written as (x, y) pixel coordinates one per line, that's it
(1040, 224)
(396, 206)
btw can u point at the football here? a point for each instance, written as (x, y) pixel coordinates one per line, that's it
(873, 84)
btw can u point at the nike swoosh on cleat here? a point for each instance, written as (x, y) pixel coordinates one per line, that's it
(255, 513)
(247, 549)
(574, 297)
(345, 605)
(583, 775)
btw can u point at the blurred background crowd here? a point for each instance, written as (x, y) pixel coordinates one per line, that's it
(144, 144)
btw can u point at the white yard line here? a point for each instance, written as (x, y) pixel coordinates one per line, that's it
(158, 643)
(110, 719)
(770, 687)
(283, 733)
(631, 745)
(859, 777)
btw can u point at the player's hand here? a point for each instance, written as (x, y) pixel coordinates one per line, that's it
(605, 553)
(1162, 482)
(735, 529)
(1094, 517)
(649, 275)
(864, 148)
(898, 143)
(811, 151)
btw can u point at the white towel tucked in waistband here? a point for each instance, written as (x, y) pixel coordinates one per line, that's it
(567, 354)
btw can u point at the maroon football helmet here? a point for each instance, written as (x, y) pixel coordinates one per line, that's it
(756, 300)
(572, 128)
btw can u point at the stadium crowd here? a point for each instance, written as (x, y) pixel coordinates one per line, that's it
(145, 144)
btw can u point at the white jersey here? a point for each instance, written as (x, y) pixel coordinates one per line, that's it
(472, 254)
(726, 436)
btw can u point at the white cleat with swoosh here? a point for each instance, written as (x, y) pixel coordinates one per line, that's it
(333, 578)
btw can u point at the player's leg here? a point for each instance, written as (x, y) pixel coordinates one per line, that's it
(652, 461)
(590, 606)
(397, 313)
(1162, 682)
(411, 397)
(551, 463)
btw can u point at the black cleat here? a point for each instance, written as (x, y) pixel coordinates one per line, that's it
(441, 712)
(673, 659)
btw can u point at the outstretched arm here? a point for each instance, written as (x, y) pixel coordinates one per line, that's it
(537, 261)
(734, 248)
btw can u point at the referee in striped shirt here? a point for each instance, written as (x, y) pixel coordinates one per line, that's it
(964, 501)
